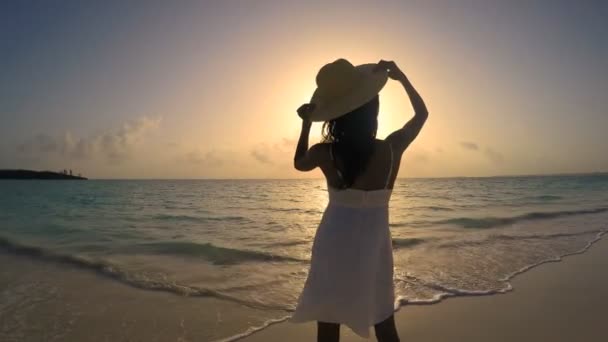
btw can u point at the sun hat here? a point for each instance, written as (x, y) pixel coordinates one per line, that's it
(342, 88)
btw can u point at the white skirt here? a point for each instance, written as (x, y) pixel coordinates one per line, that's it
(350, 280)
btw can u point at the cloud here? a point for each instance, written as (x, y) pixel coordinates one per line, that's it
(488, 152)
(493, 155)
(261, 156)
(114, 145)
(421, 157)
(471, 146)
(211, 158)
(289, 142)
(276, 153)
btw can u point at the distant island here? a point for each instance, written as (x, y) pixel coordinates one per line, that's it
(30, 174)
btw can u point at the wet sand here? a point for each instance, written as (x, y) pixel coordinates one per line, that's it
(47, 301)
(564, 301)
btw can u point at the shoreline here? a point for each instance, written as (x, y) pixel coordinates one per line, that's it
(527, 312)
(538, 308)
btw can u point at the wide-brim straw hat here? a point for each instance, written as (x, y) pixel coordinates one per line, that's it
(342, 88)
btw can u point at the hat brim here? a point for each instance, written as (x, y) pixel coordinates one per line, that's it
(372, 82)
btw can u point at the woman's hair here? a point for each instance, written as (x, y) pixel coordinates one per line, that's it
(353, 136)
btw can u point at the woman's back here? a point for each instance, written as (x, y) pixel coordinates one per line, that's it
(379, 173)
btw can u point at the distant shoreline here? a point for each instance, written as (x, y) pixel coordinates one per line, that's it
(30, 174)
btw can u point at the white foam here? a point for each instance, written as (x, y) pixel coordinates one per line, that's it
(597, 238)
(448, 292)
(253, 330)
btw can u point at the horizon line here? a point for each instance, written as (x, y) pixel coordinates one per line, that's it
(404, 177)
(556, 174)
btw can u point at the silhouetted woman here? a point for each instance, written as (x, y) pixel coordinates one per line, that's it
(350, 280)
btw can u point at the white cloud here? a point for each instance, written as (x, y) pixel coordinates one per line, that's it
(212, 158)
(469, 145)
(493, 155)
(114, 145)
(261, 155)
(277, 153)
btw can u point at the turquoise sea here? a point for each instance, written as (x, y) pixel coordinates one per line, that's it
(241, 248)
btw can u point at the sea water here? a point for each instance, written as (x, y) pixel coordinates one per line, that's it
(248, 242)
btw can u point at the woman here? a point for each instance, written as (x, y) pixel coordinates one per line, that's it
(350, 280)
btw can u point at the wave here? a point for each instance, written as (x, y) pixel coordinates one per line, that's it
(139, 280)
(490, 222)
(432, 208)
(286, 209)
(285, 243)
(405, 243)
(252, 330)
(507, 237)
(546, 197)
(559, 258)
(214, 254)
(447, 291)
(189, 218)
(295, 210)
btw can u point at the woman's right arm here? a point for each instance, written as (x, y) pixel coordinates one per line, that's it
(403, 137)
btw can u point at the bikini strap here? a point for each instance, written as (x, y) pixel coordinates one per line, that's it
(390, 170)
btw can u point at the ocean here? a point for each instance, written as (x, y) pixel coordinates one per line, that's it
(236, 252)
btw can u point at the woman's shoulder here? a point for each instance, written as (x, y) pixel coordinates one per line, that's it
(322, 146)
(320, 151)
(383, 143)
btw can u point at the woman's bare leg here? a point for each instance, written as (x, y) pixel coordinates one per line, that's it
(386, 330)
(328, 332)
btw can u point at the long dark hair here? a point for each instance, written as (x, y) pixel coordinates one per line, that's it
(353, 136)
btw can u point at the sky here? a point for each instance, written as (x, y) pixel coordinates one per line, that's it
(209, 89)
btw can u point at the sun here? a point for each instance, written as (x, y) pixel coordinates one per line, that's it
(395, 109)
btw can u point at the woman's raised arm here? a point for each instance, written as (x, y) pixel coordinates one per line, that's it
(403, 137)
(306, 159)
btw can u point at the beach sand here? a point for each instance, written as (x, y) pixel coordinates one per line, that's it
(565, 301)
(55, 302)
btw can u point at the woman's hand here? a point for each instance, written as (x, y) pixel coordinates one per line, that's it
(305, 110)
(393, 70)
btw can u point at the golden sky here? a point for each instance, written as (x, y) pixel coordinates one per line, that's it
(209, 89)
